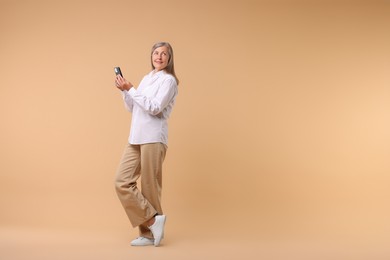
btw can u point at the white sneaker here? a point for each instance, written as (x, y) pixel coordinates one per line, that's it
(158, 229)
(142, 241)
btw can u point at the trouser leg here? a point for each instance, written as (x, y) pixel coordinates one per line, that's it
(152, 158)
(136, 205)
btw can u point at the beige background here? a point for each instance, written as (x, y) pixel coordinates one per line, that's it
(279, 141)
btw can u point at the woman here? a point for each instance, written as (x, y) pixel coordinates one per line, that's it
(150, 104)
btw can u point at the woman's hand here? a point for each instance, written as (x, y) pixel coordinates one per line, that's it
(122, 83)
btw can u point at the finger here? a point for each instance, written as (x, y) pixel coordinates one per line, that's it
(121, 80)
(117, 79)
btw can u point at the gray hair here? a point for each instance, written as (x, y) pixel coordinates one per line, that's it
(170, 68)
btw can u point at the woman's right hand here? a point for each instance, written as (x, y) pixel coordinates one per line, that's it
(122, 83)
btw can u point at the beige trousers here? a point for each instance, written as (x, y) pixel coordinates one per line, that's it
(143, 161)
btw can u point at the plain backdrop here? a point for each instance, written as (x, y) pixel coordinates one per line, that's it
(281, 130)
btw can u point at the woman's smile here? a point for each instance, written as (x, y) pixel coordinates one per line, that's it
(160, 58)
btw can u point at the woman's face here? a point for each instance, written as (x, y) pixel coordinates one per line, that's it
(160, 58)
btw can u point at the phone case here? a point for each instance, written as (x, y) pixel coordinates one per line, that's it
(118, 71)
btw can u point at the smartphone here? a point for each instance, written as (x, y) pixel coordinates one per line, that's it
(118, 71)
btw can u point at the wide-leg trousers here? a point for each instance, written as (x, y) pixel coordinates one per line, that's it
(143, 161)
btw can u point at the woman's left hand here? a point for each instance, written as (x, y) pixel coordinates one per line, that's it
(122, 83)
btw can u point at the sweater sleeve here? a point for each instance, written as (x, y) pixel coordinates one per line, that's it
(156, 104)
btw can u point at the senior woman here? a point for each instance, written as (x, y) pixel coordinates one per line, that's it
(151, 104)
